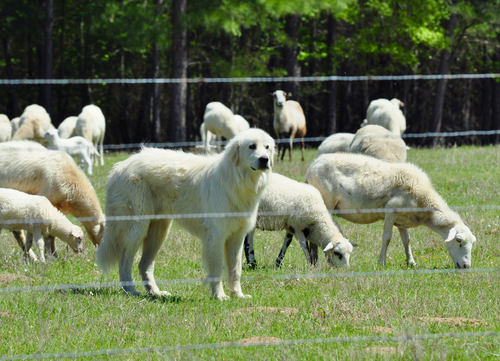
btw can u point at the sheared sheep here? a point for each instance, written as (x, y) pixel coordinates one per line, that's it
(91, 125)
(386, 113)
(67, 127)
(33, 124)
(73, 146)
(39, 217)
(5, 128)
(289, 122)
(376, 141)
(336, 143)
(220, 120)
(352, 182)
(299, 209)
(30, 168)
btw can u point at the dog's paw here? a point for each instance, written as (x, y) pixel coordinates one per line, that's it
(222, 297)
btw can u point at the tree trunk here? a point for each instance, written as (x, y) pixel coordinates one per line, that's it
(12, 104)
(47, 54)
(290, 53)
(177, 121)
(495, 102)
(156, 124)
(331, 97)
(444, 67)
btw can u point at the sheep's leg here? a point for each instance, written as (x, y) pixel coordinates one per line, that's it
(290, 147)
(50, 246)
(233, 248)
(249, 250)
(85, 154)
(101, 149)
(286, 244)
(313, 252)
(157, 233)
(390, 218)
(27, 247)
(303, 243)
(303, 149)
(405, 236)
(40, 243)
(21, 241)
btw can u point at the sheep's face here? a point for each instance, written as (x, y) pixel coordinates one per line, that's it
(75, 239)
(49, 134)
(339, 255)
(459, 244)
(279, 98)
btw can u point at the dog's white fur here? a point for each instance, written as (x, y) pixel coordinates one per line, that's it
(156, 182)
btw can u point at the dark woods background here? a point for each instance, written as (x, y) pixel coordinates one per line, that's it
(69, 39)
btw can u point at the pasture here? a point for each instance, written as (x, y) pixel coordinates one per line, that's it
(313, 313)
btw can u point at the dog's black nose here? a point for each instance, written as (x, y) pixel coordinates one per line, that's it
(264, 162)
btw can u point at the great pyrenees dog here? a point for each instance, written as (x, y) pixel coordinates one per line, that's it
(166, 182)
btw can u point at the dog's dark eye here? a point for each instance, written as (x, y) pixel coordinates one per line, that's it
(267, 147)
(253, 146)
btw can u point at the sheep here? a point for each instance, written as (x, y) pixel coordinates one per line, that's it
(376, 141)
(91, 125)
(386, 113)
(206, 135)
(31, 168)
(39, 217)
(220, 120)
(15, 124)
(289, 122)
(73, 146)
(299, 209)
(5, 128)
(336, 143)
(355, 181)
(33, 123)
(67, 127)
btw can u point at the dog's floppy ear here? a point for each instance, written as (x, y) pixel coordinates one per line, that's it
(233, 152)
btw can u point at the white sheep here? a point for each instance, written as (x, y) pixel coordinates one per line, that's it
(33, 123)
(386, 113)
(299, 209)
(220, 121)
(353, 182)
(73, 146)
(31, 168)
(289, 122)
(91, 125)
(36, 215)
(15, 124)
(67, 127)
(336, 143)
(376, 141)
(5, 128)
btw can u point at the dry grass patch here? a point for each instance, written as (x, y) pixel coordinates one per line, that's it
(6, 314)
(454, 321)
(283, 310)
(387, 350)
(8, 278)
(378, 329)
(260, 339)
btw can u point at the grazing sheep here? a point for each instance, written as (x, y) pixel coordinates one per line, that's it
(92, 126)
(67, 127)
(39, 217)
(206, 135)
(73, 146)
(220, 121)
(376, 141)
(336, 143)
(30, 168)
(33, 124)
(299, 209)
(15, 124)
(289, 122)
(386, 113)
(5, 128)
(355, 182)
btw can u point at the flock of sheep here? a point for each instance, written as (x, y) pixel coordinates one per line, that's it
(363, 176)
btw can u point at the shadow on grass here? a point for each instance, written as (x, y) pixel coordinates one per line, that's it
(108, 291)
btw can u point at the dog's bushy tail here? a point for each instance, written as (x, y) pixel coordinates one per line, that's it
(108, 253)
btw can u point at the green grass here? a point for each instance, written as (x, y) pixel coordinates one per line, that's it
(94, 319)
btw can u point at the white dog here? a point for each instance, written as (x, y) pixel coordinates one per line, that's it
(158, 182)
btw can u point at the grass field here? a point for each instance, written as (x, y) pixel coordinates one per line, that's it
(363, 313)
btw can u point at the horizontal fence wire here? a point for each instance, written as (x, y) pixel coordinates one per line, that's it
(248, 79)
(247, 214)
(222, 345)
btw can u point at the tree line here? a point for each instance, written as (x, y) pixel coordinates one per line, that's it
(102, 39)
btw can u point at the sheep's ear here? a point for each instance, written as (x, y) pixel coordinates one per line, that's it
(289, 95)
(328, 247)
(451, 235)
(272, 94)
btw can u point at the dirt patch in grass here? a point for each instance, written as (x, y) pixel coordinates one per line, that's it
(7, 278)
(454, 321)
(6, 314)
(260, 339)
(379, 329)
(284, 310)
(382, 350)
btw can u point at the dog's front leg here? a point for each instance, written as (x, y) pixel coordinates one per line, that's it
(233, 253)
(213, 255)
